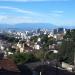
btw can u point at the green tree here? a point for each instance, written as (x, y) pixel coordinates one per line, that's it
(34, 38)
(47, 41)
(40, 54)
(51, 56)
(21, 58)
(66, 51)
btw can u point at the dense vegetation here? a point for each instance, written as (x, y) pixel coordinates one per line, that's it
(66, 50)
(9, 38)
(21, 58)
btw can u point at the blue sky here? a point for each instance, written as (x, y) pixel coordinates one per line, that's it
(58, 12)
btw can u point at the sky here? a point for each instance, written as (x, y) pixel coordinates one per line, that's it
(57, 12)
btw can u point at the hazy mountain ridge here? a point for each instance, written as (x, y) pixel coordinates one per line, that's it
(33, 26)
(29, 26)
(69, 26)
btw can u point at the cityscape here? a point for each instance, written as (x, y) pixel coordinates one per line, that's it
(37, 37)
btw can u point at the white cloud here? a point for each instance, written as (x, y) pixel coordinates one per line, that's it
(32, 0)
(9, 19)
(27, 16)
(55, 17)
(58, 11)
(15, 9)
(18, 10)
(6, 19)
(23, 0)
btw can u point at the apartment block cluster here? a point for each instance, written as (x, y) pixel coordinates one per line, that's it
(25, 45)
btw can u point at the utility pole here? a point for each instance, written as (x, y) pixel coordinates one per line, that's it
(40, 73)
(74, 59)
(73, 69)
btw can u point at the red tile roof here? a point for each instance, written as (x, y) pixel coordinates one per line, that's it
(8, 65)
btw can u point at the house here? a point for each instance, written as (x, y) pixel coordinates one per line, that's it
(67, 66)
(36, 46)
(53, 46)
(23, 47)
(8, 67)
(27, 48)
(59, 36)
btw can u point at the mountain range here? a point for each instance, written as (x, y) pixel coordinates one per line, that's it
(33, 26)
(28, 26)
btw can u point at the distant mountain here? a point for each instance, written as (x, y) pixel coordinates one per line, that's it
(2, 26)
(33, 26)
(5, 26)
(28, 26)
(69, 26)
